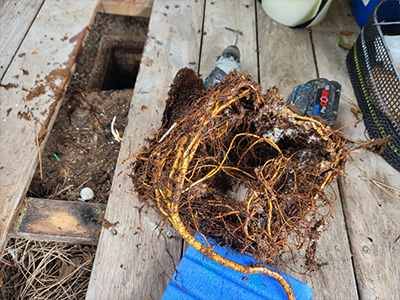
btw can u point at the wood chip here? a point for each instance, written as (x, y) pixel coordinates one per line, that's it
(356, 112)
(345, 32)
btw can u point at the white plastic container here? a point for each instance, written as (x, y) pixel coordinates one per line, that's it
(296, 13)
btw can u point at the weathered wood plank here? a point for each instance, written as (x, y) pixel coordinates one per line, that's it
(16, 17)
(138, 262)
(59, 221)
(286, 60)
(31, 93)
(221, 15)
(335, 256)
(135, 8)
(372, 233)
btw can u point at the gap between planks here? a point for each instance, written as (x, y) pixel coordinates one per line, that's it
(16, 17)
(372, 233)
(287, 60)
(139, 261)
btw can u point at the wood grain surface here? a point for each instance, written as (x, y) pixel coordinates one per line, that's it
(360, 251)
(372, 216)
(287, 60)
(60, 221)
(135, 8)
(16, 17)
(222, 22)
(139, 261)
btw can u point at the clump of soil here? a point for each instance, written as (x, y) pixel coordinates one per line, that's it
(81, 151)
(241, 167)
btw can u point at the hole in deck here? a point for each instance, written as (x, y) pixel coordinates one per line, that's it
(117, 63)
(81, 151)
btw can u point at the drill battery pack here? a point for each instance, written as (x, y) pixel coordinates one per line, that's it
(318, 98)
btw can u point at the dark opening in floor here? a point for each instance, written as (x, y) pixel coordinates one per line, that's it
(122, 68)
(117, 63)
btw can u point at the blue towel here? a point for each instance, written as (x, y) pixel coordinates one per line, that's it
(198, 277)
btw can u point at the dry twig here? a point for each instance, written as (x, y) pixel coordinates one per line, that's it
(40, 155)
(369, 181)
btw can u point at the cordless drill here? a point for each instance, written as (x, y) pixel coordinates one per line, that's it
(228, 61)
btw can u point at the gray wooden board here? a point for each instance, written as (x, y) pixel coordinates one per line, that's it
(31, 92)
(286, 60)
(335, 279)
(61, 221)
(285, 55)
(221, 20)
(16, 17)
(221, 15)
(373, 235)
(139, 261)
(136, 8)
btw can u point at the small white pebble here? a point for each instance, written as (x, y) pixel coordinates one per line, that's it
(86, 194)
(12, 252)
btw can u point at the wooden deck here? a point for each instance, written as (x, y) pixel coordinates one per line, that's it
(361, 248)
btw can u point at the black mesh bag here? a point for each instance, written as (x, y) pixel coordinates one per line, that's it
(376, 81)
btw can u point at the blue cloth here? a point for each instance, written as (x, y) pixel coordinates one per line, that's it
(200, 278)
(361, 11)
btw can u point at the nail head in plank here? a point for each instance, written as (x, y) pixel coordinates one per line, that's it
(372, 233)
(60, 221)
(31, 94)
(139, 261)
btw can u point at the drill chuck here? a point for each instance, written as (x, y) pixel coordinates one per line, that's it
(228, 61)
